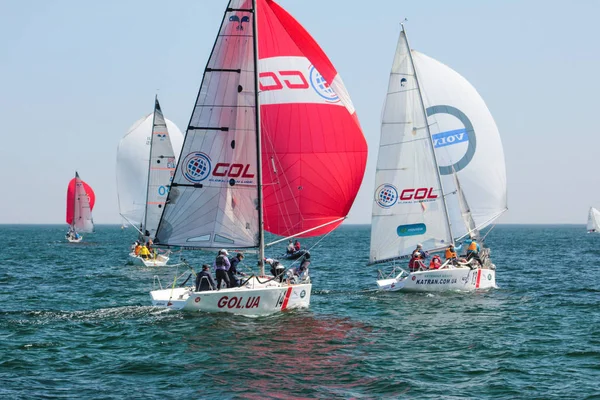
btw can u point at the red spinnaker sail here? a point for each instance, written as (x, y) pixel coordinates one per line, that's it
(314, 151)
(71, 197)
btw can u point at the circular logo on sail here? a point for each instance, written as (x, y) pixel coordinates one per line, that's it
(445, 139)
(196, 167)
(320, 85)
(386, 195)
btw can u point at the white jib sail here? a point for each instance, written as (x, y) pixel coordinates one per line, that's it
(593, 220)
(408, 207)
(467, 142)
(133, 155)
(82, 217)
(162, 167)
(214, 195)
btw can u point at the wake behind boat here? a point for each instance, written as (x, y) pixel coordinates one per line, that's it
(440, 178)
(249, 160)
(80, 202)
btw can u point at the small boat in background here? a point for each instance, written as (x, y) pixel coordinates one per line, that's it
(80, 202)
(593, 224)
(146, 160)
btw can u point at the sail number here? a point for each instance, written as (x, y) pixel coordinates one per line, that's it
(276, 80)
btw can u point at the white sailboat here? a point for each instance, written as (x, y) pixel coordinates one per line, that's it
(273, 144)
(440, 175)
(146, 159)
(593, 223)
(80, 202)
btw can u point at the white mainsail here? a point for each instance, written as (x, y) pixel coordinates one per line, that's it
(593, 224)
(161, 168)
(82, 216)
(219, 154)
(409, 203)
(133, 158)
(469, 159)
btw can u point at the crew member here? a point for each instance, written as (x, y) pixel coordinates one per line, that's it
(221, 266)
(204, 280)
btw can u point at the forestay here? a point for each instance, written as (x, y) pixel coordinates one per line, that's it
(408, 207)
(133, 154)
(80, 203)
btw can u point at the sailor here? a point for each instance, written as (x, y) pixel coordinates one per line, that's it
(144, 253)
(204, 280)
(450, 253)
(290, 247)
(304, 265)
(276, 268)
(473, 251)
(221, 266)
(138, 248)
(417, 257)
(296, 245)
(233, 271)
(435, 263)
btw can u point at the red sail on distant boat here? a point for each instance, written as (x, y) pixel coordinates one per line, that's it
(314, 152)
(80, 203)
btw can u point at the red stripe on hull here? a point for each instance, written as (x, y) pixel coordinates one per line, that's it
(287, 298)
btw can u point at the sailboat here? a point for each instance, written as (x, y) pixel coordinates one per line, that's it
(273, 144)
(80, 202)
(146, 159)
(440, 178)
(593, 224)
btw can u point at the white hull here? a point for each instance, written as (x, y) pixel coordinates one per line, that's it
(73, 240)
(159, 261)
(441, 280)
(252, 299)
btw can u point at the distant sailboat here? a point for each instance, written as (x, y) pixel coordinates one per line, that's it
(146, 159)
(80, 203)
(440, 176)
(271, 108)
(593, 224)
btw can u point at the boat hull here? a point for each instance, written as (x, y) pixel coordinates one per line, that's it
(159, 261)
(73, 240)
(255, 301)
(453, 279)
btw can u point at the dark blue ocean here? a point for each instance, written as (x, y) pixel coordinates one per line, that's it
(76, 322)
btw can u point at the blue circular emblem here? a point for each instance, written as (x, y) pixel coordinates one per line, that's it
(196, 167)
(302, 294)
(320, 85)
(386, 195)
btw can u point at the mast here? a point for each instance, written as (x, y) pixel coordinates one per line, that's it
(143, 226)
(261, 231)
(437, 168)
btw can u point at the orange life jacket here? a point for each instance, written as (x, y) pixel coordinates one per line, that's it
(450, 254)
(137, 249)
(473, 246)
(435, 262)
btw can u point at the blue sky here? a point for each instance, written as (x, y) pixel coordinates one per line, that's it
(75, 75)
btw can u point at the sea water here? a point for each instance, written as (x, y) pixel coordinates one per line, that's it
(76, 322)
